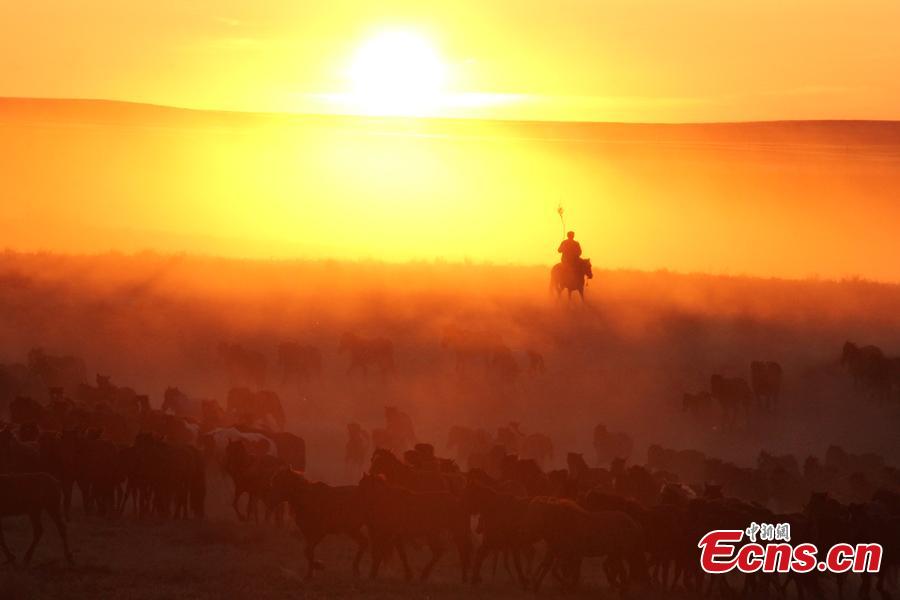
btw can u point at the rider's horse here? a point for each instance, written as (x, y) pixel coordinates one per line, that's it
(571, 277)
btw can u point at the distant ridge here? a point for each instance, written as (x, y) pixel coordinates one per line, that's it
(100, 112)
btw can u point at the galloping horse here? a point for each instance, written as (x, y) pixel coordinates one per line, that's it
(565, 277)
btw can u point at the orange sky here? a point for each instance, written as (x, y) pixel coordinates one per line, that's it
(797, 204)
(649, 60)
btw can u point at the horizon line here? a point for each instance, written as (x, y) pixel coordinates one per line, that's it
(6, 251)
(174, 107)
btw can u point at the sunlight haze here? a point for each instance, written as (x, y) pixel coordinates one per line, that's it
(609, 60)
(778, 199)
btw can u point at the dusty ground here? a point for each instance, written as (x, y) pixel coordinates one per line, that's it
(227, 559)
(219, 559)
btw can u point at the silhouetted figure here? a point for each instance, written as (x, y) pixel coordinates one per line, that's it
(368, 352)
(399, 426)
(299, 362)
(357, 448)
(244, 367)
(570, 250)
(571, 277)
(572, 269)
(870, 368)
(765, 380)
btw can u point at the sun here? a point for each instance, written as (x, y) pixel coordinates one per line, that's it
(397, 72)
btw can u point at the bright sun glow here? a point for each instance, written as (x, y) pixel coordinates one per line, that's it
(397, 73)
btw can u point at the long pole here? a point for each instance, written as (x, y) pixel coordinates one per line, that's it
(559, 211)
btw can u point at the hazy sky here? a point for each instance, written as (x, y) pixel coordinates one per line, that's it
(636, 60)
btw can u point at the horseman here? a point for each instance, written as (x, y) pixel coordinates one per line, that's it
(570, 251)
(572, 270)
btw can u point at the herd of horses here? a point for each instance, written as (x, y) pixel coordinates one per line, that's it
(872, 370)
(498, 495)
(736, 398)
(731, 402)
(476, 354)
(642, 519)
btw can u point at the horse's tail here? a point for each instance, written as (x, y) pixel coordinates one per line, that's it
(552, 280)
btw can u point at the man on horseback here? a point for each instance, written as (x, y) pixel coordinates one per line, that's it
(570, 250)
(572, 270)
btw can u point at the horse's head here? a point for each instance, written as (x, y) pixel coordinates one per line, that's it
(383, 462)
(849, 352)
(372, 484)
(586, 268)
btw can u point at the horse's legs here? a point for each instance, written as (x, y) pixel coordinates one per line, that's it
(253, 507)
(378, 551)
(238, 492)
(67, 485)
(464, 545)
(437, 551)
(310, 551)
(120, 509)
(362, 542)
(61, 528)
(401, 550)
(517, 562)
(480, 555)
(544, 567)
(10, 557)
(37, 529)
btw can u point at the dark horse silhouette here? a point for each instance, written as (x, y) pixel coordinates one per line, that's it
(571, 278)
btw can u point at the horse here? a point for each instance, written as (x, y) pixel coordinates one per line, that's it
(181, 405)
(611, 445)
(299, 362)
(765, 380)
(869, 368)
(365, 353)
(32, 494)
(501, 517)
(396, 515)
(734, 396)
(64, 372)
(243, 366)
(253, 407)
(471, 349)
(563, 276)
(321, 510)
(251, 475)
(396, 472)
(467, 442)
(358, 442)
